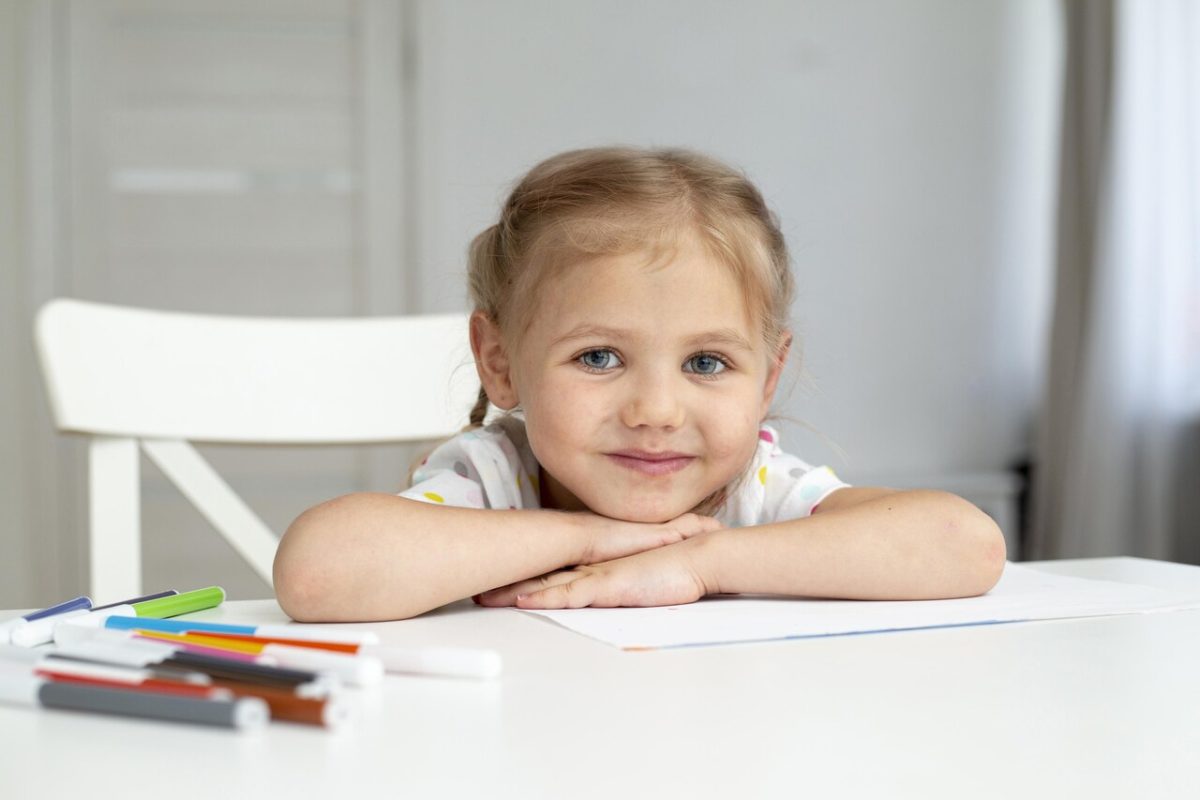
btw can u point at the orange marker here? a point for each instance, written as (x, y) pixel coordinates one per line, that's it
(353, 669)
(460, 662)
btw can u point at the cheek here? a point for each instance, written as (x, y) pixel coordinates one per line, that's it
(732, 435)
(563, 412)
(735, 454)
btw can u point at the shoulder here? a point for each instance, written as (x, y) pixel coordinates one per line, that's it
(484, 467)
(781, 485)
(468, 450)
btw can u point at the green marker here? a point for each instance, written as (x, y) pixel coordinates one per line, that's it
(185, 603)
(158, 608)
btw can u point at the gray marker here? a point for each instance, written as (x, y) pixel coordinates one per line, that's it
(243, 713)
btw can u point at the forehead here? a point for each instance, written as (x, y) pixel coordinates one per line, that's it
(677, 294)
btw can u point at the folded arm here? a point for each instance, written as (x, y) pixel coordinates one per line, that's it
(865, 544)
(367, 556)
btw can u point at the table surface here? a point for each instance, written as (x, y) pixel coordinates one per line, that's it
(1098, 707)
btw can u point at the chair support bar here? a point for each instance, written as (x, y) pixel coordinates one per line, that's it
(211, 495)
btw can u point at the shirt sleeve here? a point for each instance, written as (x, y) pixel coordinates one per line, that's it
(792, 488)
(476, 469)
(810, 487)
(446, 477)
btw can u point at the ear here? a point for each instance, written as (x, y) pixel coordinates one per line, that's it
(778, 361)
(491, 361)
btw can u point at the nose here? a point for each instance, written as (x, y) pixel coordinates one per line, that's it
(654, 400)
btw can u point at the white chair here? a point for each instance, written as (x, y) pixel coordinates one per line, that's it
(131, 378)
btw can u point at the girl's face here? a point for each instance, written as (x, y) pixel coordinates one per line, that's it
(643, 386)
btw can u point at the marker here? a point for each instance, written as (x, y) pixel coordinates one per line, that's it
(283, 705)
(320, 633)
(459, 662)
(329, 712)
(142, 599)
(302, 682)
(216, 652)
(185, 603)
(67, 605)
(128, 652)
(52, 660)
(11, 655)
(142, 653)
(243, 713)
(72, 633)
(41, 631)
(353, 669)
(165, 605)
(66, 671)
(10, 625)
(26, 660)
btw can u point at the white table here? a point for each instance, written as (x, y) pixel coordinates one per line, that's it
(1101, 707)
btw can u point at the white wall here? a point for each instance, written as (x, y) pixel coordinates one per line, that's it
(908, 148)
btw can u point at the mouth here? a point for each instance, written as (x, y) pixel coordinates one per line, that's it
(647, 463)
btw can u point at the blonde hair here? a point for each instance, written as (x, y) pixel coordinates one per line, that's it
(582, 204)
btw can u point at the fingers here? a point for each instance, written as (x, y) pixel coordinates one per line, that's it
(573, 594)
(568, 589)
(507, 595)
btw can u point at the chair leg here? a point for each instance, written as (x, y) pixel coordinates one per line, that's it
(114, 504)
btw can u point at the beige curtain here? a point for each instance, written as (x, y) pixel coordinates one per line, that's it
(1118, 450)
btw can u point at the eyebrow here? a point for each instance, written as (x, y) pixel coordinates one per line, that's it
(722, 336)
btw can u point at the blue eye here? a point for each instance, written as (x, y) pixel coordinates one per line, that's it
(599, 360)
(707, 364)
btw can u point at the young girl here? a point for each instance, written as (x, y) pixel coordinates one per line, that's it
(631, 321)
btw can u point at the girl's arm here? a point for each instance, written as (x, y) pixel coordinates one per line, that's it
(866, 544)
(366, 556)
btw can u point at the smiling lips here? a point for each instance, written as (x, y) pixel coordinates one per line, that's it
(647, 463)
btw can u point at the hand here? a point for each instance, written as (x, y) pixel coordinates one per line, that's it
(661, 577)
(607, 539)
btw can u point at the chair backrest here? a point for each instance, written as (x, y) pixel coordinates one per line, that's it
(157, 374)
(133, 378)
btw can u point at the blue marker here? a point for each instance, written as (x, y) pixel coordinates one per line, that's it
(321, 633)
(6, 627)
(38, 628)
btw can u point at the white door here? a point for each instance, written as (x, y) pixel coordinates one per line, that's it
(236, 157)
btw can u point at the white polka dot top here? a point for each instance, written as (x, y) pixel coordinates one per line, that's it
(494, 467)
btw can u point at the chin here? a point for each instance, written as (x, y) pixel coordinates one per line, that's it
(646, 514)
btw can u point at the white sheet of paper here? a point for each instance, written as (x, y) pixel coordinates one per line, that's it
(1022, 594)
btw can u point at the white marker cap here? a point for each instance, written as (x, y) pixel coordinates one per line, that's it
(21, 657)
(250, 713)
(7, 626)
(92, 669)
(356, 670)
(21, 690)
(324, 685)
(75, 628)
(41, 631)
(131, 653)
